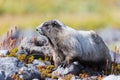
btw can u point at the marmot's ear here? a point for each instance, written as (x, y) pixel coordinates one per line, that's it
(55, 24)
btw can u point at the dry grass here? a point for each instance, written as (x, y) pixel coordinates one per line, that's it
(9, 42)
(114, 68)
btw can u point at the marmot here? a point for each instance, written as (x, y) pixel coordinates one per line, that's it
(85, 46)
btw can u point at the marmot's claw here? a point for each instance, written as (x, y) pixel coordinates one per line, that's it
(63, 64)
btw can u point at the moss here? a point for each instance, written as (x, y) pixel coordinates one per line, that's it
(13, 52)
(46, 71)
(21, 57)
(68, 77)
(30, 59)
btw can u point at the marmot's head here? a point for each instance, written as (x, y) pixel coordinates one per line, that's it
(51, 28)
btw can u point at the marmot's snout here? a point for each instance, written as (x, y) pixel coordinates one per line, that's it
(38, 29)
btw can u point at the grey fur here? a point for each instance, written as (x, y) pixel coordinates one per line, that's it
(86, 46)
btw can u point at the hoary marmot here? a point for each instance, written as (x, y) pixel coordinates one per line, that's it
(85, 46)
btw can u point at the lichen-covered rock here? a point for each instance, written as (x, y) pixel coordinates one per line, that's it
(30, 72)
(10, 65)
(73, 68)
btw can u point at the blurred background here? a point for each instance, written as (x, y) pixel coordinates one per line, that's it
(79, 14)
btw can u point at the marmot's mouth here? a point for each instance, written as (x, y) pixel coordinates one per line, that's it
(41, 33)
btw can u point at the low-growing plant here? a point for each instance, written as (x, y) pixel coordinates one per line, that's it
(13, 52)
(46, 71)
(21, 57)
(68, 77)
(30, 59)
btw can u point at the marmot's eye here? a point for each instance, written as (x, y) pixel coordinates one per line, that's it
(45, 25)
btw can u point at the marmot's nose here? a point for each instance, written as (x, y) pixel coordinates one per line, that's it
(36, 29)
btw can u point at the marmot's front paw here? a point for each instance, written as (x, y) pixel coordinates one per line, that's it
(64, 64)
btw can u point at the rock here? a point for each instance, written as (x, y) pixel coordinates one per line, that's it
(22, 52)
(10, 65)
(47, 63)
(50, 79)
(112, 77)
(60, 78)
(30, 72)
(34, 46)
(2, 75)
(8, 78)
(38, 63)
(73, 68)
(4, 52)
(75, 78)
(87, 78)
(35, 79)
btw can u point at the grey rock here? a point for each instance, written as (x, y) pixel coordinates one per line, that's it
(73, 68)
(21, 52)
(4, 52)
(35, 79)
(10, 65)
(8, 78)
(112, 77)
(50, 79)
(47, 63)
(75, 78)
(2, 75)
(38, 63)
(78, 78)
(30, 72)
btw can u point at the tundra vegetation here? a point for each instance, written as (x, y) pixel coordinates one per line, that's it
(46, 71)
(79, 14)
